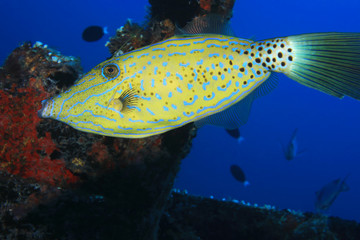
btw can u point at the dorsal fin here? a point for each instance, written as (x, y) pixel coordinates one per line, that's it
(238, 114)
(210, 23)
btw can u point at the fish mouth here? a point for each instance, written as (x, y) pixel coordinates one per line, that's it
(44, 111)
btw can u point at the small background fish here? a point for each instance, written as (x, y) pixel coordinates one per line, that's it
(94, 33)
(326, 196)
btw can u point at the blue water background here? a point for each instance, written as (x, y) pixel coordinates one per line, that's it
(328, 127)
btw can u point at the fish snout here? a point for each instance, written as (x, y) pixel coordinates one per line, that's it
(45, 111)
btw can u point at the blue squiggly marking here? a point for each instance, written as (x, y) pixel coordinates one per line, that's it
(142, 85)
(254, 72)
(89, 122)
(134, 121)
(131, 56)
(145, 98)
(184, 44)
(172, 120)
(134, 107)
(152, 82)
(213, 44)
(158, 49)
(179, 76)
(188, 115)
(184, 65)
(160, 120)
(209, 39)
(91, 112)
(147, 109)
(176, 53)
(205, 84)
(144, 54)
(214, 54)
(146, 129)
(192, 102)
(196, 75)
(196, 50)
(179, 90)
(95, 95)
(226, 87)
(80, 83)
(123, 129)
(210, 98)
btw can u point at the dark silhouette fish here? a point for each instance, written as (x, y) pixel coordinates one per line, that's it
(328, 193)
(235, 133)
(238, 174)
(94, 33)
(291, 149)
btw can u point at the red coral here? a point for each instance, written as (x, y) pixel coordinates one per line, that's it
(22, 152)
(206, 5)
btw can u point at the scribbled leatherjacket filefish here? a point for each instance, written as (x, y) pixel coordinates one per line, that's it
(202, 78)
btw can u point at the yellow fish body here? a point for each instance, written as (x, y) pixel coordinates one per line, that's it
(201, 78)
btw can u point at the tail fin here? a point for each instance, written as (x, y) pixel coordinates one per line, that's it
(329, 62)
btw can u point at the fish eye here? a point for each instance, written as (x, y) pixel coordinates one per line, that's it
(110, 70)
